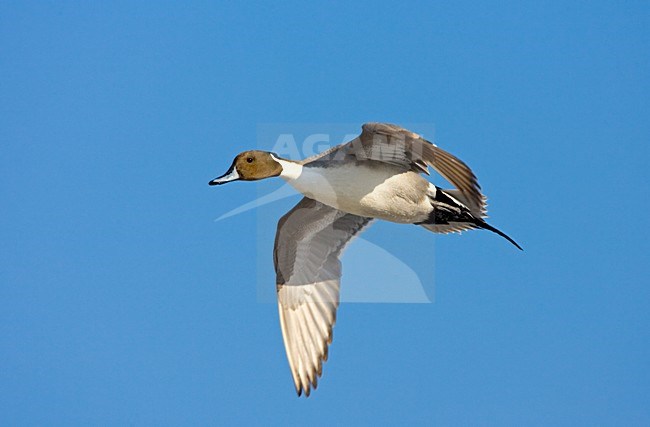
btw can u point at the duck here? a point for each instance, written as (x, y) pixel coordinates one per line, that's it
(379, 175)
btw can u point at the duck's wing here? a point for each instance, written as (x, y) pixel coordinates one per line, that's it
(308, 243)
(392, 144)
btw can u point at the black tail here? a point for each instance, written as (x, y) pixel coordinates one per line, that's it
(482, 224)
(447, 209)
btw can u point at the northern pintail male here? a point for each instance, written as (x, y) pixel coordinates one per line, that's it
(377, 175)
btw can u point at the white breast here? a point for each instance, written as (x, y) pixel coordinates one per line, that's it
(377, 192)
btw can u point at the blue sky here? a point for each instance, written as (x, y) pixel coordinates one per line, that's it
(123, 301)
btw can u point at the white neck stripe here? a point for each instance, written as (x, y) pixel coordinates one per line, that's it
(290, 170)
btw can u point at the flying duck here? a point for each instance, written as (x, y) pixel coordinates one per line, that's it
(377, 175)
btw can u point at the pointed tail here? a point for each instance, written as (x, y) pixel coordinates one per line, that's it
(482, 224)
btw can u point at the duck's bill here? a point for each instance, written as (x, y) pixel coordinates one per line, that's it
(229, 176)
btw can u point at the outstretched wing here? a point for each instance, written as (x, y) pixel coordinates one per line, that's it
(392, 144)
(308, 243)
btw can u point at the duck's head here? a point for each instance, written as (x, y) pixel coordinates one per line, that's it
(250, 166)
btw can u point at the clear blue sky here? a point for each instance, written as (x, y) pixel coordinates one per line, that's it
(123, 301)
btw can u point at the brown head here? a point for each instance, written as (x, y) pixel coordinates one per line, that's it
(250, 166)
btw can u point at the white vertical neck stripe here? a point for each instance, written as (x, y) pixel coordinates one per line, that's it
(290, 170)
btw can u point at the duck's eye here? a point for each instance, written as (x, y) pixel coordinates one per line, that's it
(249, 159)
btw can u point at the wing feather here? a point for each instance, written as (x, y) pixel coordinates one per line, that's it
(394, 145)
(308, 243)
